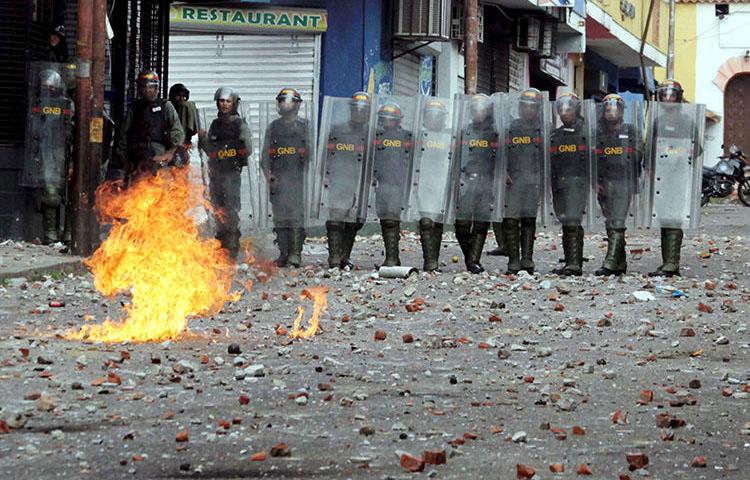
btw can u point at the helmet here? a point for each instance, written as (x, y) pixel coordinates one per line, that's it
(435, 105)
(50, 80)
(667, 88)
(226, 93)
(614, 99)
(59, 31)
(390, 111)
(361, 99)
(531, 96)
(289, 93)
(568, 99)
(178, 88)
(480, 106)
(148, 77)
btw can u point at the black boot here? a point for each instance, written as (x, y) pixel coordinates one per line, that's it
(671, 243)
(572, 241)
(350, 234)
(335, 233)
(478, 236)
(511, 242)
(296, 242)
(463, 237)
(283, 241)
(391, 236)
(49, 222)
(502, 248)
(437, 240)
(426, 232)
(614, 262)
(528, 232)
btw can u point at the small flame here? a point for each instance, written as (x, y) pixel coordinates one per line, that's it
(154, 251)
(320, 304)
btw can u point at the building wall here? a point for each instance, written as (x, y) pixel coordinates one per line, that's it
(658, 31)
(703, 43)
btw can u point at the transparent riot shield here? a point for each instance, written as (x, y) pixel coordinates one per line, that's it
(285, 164)
(617, 144)
(569, 198)
(675, 146)
(225, 144)
(434, 158)
(479, 174)
(49, 125)
(525, 152)
(343, 165)
(392, 156)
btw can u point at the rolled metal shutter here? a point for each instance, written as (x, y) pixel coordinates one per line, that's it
(406, 70)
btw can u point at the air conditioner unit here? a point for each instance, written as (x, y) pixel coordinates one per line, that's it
(529, 34)
(422, 20)
(457, 22)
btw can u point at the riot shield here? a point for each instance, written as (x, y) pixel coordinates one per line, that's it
(225, 144)
(479, 174)
(343, 165)
(617, 144)
(569, 199)
(434, 156)
(392, 156)
(673, 171)
(49, 125)
(525, 152)
(285, 164)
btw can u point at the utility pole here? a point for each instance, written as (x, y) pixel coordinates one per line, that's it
(470, 46)
(93, 164)
(81, 203)
(670, 41)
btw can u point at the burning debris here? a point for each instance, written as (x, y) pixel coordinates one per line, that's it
(319, 296)
(155, 252)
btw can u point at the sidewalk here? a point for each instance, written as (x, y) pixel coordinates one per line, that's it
(22, 259)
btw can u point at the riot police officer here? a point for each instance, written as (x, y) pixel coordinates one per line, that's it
(151, 131)
(391, 168)
(228, 145)
(433, 186)
(186, 110)
(476, 191)
(523, 184)
(346, 155)
(48, 148)
(617, 167)
(570, 184)
(673, 125)
(284, 161)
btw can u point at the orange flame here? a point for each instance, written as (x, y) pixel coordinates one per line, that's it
(320, 304)
(155, 252)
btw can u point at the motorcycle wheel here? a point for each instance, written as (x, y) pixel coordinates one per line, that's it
(743, 192)
(704, 199)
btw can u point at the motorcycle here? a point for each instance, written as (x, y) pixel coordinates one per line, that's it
(719, 180)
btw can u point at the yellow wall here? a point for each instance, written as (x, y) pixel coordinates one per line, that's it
(635, 25)
(685, 46)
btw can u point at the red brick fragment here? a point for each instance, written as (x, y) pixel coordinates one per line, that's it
(411, 463)
(434, 457)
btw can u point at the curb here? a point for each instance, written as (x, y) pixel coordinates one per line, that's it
(74, 265)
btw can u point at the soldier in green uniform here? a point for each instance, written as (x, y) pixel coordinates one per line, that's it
(432, 165)
(526, 152)
(344, 178)
(151, 131)
(228, 145)
(617, 167)
(677, 149)
(391, 169)
(49, 137)
(284, 161)
(476, 190)
(570, 179)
